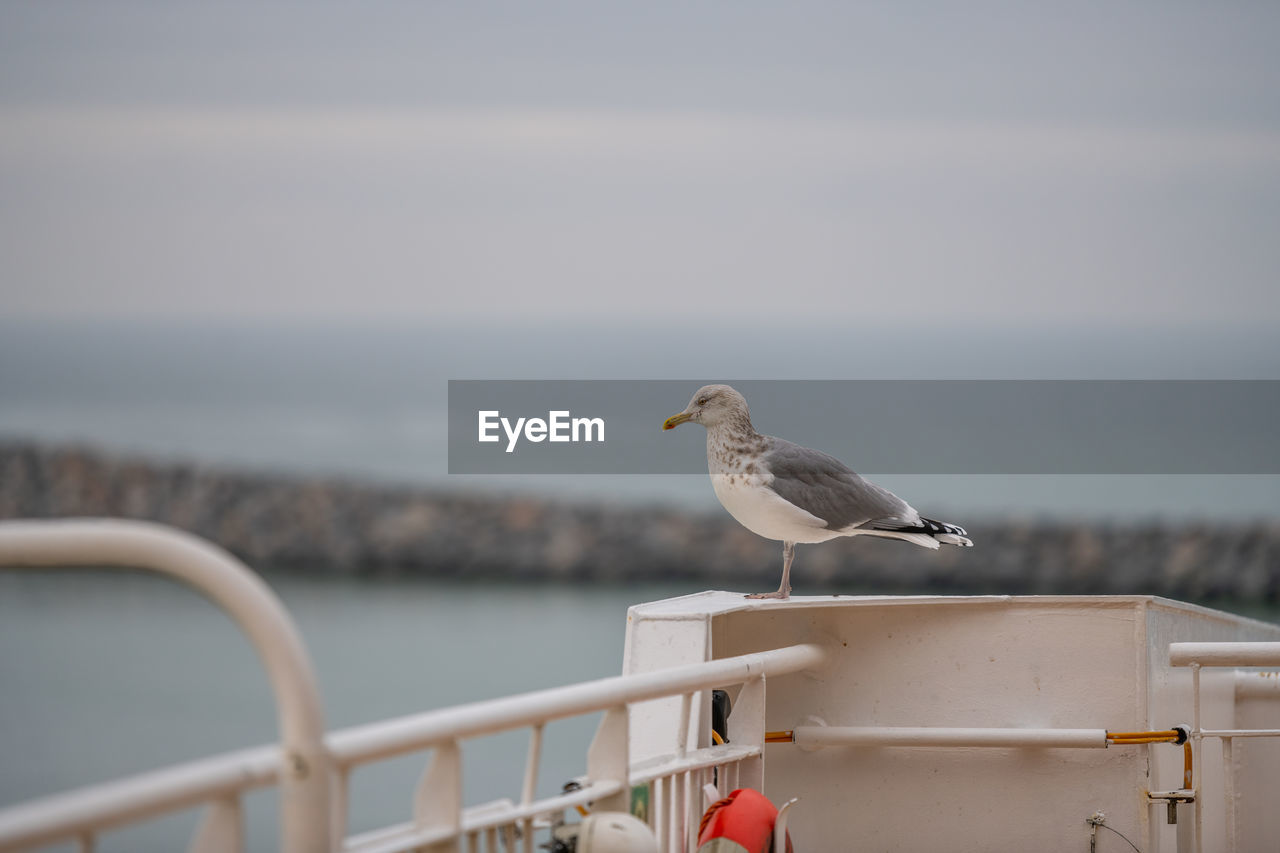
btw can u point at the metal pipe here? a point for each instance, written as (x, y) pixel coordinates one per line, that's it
(1224, 654)
(948, 737)
(94, 543)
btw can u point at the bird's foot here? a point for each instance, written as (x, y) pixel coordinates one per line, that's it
(779, 594)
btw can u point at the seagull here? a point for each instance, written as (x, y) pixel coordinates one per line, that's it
(783, 491)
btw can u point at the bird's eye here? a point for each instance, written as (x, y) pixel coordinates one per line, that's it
(702, 401)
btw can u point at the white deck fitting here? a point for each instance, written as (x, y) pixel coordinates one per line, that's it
(973, 669)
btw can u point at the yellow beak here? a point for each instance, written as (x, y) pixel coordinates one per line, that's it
(675, 420)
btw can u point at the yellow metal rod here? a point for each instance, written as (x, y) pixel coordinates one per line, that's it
(1121, 741)
(1165, 736)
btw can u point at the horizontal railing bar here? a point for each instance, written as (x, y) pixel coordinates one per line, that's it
(580, 797)
(946, 737)
(99, 807)
(374, 837)
(408, 837)
(1224, 654)
(698, 759)
(384, 739)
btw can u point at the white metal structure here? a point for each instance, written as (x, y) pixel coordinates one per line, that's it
(911, 723)
(997, 722)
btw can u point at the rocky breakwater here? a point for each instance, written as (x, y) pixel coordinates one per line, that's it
(330, 526)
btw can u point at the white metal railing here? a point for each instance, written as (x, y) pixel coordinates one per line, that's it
(1199, 655)
(609, 774)
(312, 769)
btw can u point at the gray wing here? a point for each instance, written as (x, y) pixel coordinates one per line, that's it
(824, 486)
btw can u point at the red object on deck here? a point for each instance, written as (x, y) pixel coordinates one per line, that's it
(740, 823)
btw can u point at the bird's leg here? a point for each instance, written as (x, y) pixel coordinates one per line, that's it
(784, 588)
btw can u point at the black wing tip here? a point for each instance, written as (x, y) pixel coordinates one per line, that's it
(928, 527)
(943, 527)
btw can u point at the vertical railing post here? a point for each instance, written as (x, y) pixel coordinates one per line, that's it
(608, 758)
(1229, 791)
(529, 789)
(438, 800)
(221, 830)
(747, 727)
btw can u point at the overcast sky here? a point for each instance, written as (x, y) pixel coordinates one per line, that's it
(978, 162)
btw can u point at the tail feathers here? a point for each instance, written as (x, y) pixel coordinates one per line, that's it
(939, 531)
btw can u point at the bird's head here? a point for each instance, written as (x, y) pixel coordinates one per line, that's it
(711, 405)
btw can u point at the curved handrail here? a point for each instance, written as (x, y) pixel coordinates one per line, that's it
(94, 543)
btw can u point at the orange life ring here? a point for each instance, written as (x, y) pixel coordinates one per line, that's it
(740, 823)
